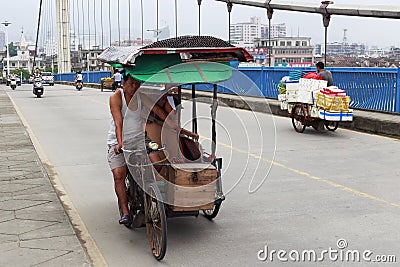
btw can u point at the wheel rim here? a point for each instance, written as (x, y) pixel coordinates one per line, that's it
(298, 119)
(155, 225)
(331, 125)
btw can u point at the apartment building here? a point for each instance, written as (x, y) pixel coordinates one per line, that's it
(294, 51)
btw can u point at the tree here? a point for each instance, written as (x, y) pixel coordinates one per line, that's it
(12, 49)
(25, 73)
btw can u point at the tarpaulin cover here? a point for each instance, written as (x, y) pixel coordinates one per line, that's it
(169, 69)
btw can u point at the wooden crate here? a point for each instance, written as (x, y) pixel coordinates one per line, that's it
(194, 186)
(106, 84)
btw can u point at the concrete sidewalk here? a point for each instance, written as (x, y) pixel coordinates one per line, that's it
(34, 228)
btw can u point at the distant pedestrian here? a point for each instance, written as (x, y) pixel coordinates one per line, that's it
(325, 74)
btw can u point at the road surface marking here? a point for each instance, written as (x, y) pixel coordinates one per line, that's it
(316, 178)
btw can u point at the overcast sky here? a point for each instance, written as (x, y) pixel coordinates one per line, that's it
(381, 32)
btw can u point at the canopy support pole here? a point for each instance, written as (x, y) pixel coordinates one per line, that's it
(214, 107)
(194, 109)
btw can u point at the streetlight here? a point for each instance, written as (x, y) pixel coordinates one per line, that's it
(7, 23)
(157, 33)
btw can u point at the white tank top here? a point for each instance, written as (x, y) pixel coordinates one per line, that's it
(112, 138)
(133, 134)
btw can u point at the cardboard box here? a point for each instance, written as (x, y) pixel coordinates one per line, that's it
(314, 112)
(335, 116)
(291, 96)
(282, 97)
(305, 97)
(333, 91)
(309, 85)
(332, 103)
(284, 105)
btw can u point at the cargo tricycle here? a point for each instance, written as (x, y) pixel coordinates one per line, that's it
(187, 180)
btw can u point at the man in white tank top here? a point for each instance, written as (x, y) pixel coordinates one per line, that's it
(119, 103)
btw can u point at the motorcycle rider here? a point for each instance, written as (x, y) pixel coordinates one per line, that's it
(78, 77)
(117, 77)
(37, 73)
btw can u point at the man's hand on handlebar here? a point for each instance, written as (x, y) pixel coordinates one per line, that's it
(118, 149)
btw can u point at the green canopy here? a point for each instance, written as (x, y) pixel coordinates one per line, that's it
(168, 68)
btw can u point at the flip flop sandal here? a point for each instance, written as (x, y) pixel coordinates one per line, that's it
(125, 219)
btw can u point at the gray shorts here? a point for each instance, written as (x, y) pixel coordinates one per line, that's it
(114, 160)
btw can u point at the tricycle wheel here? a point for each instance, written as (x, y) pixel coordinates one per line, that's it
(211, 214)
(331, 125)
(156, 222)
(298, 118)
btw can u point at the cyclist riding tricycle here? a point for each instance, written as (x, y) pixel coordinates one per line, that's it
(185, 179)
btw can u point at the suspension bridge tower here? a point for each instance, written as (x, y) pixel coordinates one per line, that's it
(63, 36)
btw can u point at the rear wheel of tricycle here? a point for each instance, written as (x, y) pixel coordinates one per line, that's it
(331, 125)
(298, 118)
(211, 214)
(156, 222)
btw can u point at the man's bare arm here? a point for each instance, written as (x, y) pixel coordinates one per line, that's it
(115, 108)
(160, 112)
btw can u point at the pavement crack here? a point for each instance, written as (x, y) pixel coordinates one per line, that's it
(42, 238)
(46, 202)
(40, 228)
(38, 264)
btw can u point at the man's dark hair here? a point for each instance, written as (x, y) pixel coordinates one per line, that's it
(320, 65)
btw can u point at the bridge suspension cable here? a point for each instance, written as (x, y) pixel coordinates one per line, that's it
(141, 16)
(37, 34)
(88, 23)
(79, 26)
(176, 18)
(109, 20)
(119, 27)
(129, 21)
(102, 24)
(73, 25)
(83, 25)
(95, 23)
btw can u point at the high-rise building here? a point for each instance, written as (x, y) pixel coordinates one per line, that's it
(2, 41)
(277, 30)
(244, 33)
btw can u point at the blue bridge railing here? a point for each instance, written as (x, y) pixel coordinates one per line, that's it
(88, 77)
(376, 89)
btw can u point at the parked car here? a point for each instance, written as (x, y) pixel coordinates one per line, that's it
(48, 78)
(31, 78)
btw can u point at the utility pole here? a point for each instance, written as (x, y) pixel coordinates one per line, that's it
(6, 24)
(63, 36)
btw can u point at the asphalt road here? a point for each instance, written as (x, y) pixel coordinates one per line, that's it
(285, 190)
